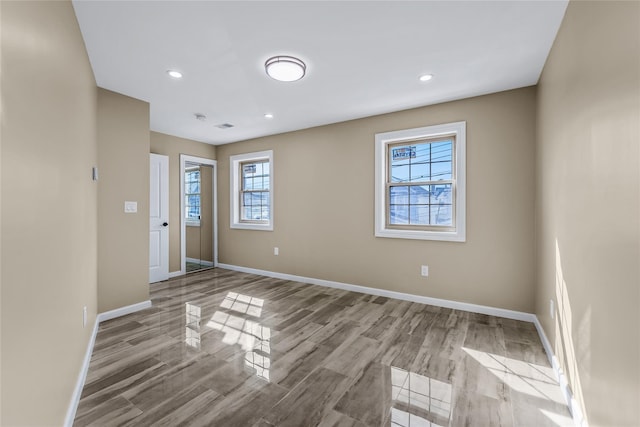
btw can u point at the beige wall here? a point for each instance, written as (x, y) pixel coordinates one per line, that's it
(49, 211)
(587, 206)
(173, 146)
(199, 240)
(324, 189)
(123, 238)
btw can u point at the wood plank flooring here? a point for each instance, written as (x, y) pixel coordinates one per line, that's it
(223, 348)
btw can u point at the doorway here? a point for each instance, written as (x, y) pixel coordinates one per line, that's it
(198, 214)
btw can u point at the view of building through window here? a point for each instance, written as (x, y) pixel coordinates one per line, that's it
(420, 183)
(255, 200)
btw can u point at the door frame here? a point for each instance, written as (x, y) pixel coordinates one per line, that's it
(184, 158)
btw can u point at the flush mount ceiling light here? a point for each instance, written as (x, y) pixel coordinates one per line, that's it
(426, 77)
(174, 74)
(285, 68)
(268, 116)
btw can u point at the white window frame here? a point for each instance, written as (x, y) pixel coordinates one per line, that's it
(236, 187)
(382, 141)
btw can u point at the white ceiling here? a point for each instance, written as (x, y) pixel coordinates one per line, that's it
(363, 57)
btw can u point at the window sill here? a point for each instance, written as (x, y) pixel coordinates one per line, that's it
(445, 236)
(252, 226)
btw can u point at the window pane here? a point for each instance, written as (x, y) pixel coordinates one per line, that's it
(245, 213)
(420, 172)
(441, 215)
(419, 195)
(400, 173)
(256, 212)
(399, 214)
(258, 183)
(247, 183)
(441, 194)
(440, 170)
(423, 153)
(402, 154)
(265, 212)
(399, 195)
(441, 151)
(419, 215)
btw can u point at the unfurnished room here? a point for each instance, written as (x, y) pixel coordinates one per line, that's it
(320, 213)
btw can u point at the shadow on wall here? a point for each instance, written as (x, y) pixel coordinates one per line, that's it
(565, 346)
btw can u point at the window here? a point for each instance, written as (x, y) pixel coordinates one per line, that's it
(254, 202)
(252, 191)
(192, 196)
(420, 183)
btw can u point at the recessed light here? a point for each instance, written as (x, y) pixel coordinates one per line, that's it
(268, 116)
(285, 68)
(426, 77)
(175, 74)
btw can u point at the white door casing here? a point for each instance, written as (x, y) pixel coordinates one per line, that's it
(158, 218)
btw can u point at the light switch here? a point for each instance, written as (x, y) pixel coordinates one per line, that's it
(130, 207)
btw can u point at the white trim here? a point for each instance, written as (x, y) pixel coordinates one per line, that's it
(474, 308)
(200, 261)
(234, 190)
(380, 218)
(82, 376)
(183, 223)
(572, 403)
(175, 274)
(123, 311)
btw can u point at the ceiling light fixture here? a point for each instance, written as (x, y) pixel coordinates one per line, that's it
(268, 116)
(175, 74)
(426, 77)
(285, 68)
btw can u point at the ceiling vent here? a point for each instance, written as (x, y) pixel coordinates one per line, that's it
(224, 126)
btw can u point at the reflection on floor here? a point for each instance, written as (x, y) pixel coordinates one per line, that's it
(233, 349)
(194, 266)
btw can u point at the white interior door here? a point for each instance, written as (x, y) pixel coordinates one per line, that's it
(159, 218)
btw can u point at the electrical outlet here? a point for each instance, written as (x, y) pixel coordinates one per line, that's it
(552, 311)
(424, 270)
(276, 251)
(84, 316)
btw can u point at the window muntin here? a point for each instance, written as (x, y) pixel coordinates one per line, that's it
(192, 197)
(255, 203)
(420, 186)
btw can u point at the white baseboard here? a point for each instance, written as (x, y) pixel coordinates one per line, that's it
(101, 317)
(200, 261)
(175, 274)
(474, 308)
(572, 403)
(123, 311)
(77, 392)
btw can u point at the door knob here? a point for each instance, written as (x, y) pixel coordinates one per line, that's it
(164, 224)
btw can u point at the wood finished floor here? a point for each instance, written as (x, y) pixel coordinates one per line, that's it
(222, 348)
